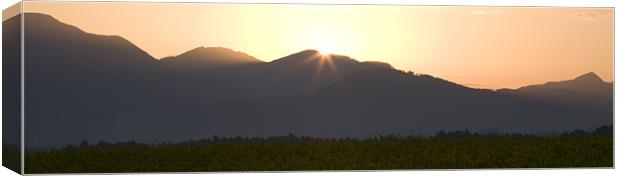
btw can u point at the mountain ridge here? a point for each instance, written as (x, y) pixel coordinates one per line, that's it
(588, 82)
(311, 53)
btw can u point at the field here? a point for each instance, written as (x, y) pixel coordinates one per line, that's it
(291, 153)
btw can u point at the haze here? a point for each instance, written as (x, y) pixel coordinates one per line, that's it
(484, 47)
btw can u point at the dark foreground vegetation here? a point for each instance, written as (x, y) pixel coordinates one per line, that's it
(451, 150)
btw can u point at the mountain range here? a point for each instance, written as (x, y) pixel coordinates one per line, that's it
(82, 86)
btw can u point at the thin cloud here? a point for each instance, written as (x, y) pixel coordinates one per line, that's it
(588, 16)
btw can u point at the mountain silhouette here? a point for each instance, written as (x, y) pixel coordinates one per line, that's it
(387, 101)
(72, 62)
(586, 90)
(323, 66)
(589, 77)
(82, 86)
(301, 72)
(426, 101)
(587, 83)
(92, 83)
(209, 59)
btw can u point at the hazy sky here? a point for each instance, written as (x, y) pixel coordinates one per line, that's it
(486, 47)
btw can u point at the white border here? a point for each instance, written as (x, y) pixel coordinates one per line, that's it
(490, 172)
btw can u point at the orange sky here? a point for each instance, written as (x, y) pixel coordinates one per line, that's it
(487, 47)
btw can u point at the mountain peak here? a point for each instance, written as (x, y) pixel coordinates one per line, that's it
(204, 48)
(211, 56)
(46, 24)
(313, 59)
(586, 83)
(309, 51)
(203, 51)
(589, 77)
(299, 57)
(38, 15)
(209, 59)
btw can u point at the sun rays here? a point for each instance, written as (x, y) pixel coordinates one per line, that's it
(325, 65)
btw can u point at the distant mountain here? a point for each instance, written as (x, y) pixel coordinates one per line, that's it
(387, 101)
(586, 83)
(424, 101)
(588, 90)
(209, 59)
(83, 86)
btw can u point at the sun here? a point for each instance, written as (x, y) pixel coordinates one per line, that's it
(324, 51)
(325, 46)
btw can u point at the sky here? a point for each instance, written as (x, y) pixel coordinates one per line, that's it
(481, 47)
